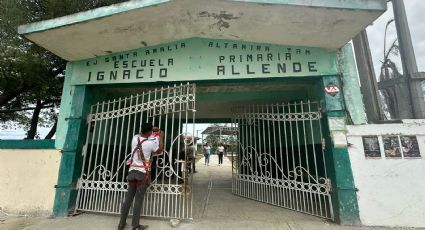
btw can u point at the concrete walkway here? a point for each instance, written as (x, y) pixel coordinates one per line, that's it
(215, 207)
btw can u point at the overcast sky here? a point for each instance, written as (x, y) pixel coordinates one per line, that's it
(415, 10)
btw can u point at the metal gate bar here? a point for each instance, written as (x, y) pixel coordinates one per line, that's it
(280, 158)
(111, 127)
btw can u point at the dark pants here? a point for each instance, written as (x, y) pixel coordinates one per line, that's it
(138, 195)
(220, 158)
(192, 161)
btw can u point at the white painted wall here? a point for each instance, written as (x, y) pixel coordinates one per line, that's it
(391, 192)
(27, 180)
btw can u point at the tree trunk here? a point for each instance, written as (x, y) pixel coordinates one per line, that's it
(52, 131)
(34, 121)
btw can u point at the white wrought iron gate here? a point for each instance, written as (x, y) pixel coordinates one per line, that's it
(111, 126)
(280, 158)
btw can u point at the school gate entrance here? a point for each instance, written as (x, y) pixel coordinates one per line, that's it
(285, 64)
(280, 158)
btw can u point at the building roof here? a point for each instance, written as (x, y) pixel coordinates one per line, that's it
(220, 130)
(134, 24)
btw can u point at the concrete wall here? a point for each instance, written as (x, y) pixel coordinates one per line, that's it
(391, 192)
(27, 180)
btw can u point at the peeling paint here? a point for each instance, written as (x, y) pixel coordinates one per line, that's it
(222, 18)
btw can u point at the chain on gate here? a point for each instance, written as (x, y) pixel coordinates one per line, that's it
(111, 127)
(280, 158)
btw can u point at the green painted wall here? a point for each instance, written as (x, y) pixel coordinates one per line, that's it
(27, 144)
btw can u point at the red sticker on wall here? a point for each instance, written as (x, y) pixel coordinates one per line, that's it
(332, 89)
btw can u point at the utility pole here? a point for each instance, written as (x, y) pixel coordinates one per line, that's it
(369, 85)
(414, 79)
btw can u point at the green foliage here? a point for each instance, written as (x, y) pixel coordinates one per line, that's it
(31, 78)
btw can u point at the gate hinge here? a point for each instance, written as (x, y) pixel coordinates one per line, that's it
(323, 144)
(73, 118)
(88, 119)
(72, 186)
(84, 152)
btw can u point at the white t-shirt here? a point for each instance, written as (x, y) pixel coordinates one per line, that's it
(149, 146)
(220, 149)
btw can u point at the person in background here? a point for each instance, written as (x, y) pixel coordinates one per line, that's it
(207, 153)
(220, 150)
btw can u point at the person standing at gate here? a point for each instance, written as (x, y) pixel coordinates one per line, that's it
(143, 149)
(191, 153)
(207, 153)
(220, 150)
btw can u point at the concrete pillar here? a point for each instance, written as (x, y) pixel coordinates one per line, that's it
(408, 60)
(369, 85)
(344, 199)
(71, 161)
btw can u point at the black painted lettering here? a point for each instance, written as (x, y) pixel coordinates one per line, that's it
(147, 52)
(113, 75)
(100, 75)
(220, 69)
(152, 62)
(89, 76)
(249, 57)
(296, 67)
(265, 68)
(134, 64)
(288, 56)
(143, 63)
(267, 48)
(139, 73)
(163, 72)
(235, 46)
(170, 61)
(116, 64)
(126, 73)
(248, 71)
(234, 72)
(151, 73)
(232, 58)
(243, 47)
(269, 57)
(221, 58)
(88, 63)
(210, 44)
(125, 64)
(281, 68)
(259, 57)
(183, 45)
(312, 66)
(160, 63)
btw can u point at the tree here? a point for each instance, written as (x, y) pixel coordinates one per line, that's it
(31, 78)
